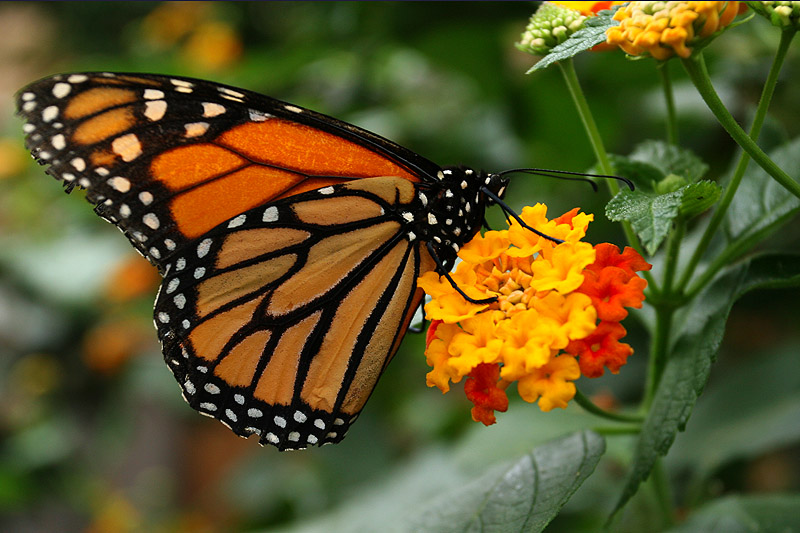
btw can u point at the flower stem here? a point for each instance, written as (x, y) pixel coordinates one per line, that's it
(696, 68)
(590, 407)
(571, 78)
(744, 160)
(669, 99)
(663, 494)
(658, 352)
(671, 259)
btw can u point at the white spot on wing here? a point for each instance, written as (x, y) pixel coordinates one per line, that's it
(172, 285)
(59, 142)
(49, 113)
(78, 164)
(127, 147)
(146, 197)
(270, 214)
(155, 109)
(118, 183)
(203, 247)
(61, 89)
(151, 221)
(238, 221)
(326, 190)
(258, 116)
(77, 78)
(212, 109)
(293, 109)
(195, 129)
(231, 92)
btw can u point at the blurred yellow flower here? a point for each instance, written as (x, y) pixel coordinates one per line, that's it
(13, 157)
(212, 46)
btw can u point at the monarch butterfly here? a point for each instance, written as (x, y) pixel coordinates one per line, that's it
(289, 242)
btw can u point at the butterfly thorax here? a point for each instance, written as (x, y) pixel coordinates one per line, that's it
(454, 208)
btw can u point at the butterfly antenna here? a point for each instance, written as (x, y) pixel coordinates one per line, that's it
(567, 175)
(510, 212)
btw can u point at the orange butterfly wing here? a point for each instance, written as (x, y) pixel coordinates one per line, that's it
(290, 242)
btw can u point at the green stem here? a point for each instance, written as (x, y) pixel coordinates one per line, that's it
(669, 99)
(660, 482)
(744, 160)
(696, 68)
(590, 407)
(617, 430)
(658, 352)
(672, 254)
(571, 79)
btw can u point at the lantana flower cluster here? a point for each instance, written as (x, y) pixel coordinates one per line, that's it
(664, 29)
(556, 315)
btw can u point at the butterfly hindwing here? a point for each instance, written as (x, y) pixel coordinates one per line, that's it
(256, 321)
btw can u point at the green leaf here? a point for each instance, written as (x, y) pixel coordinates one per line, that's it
(641, 173)
(670, 159)
(761, 205)
(650, 215)
(593, 32)
(738, 426)
(774, 513)
(522, 496)
(697, 197)
(687, 369)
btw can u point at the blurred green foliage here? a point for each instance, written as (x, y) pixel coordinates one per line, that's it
(94, 444)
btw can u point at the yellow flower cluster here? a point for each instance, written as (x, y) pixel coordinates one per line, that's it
(663, 29)
(537, 313)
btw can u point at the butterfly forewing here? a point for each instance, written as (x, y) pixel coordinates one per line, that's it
(167, 159)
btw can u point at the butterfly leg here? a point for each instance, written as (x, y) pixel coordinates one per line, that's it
(440, 266)
(424, 325)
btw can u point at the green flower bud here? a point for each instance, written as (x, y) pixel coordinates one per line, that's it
(549, 26)
(670, 183)
(784, 15)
